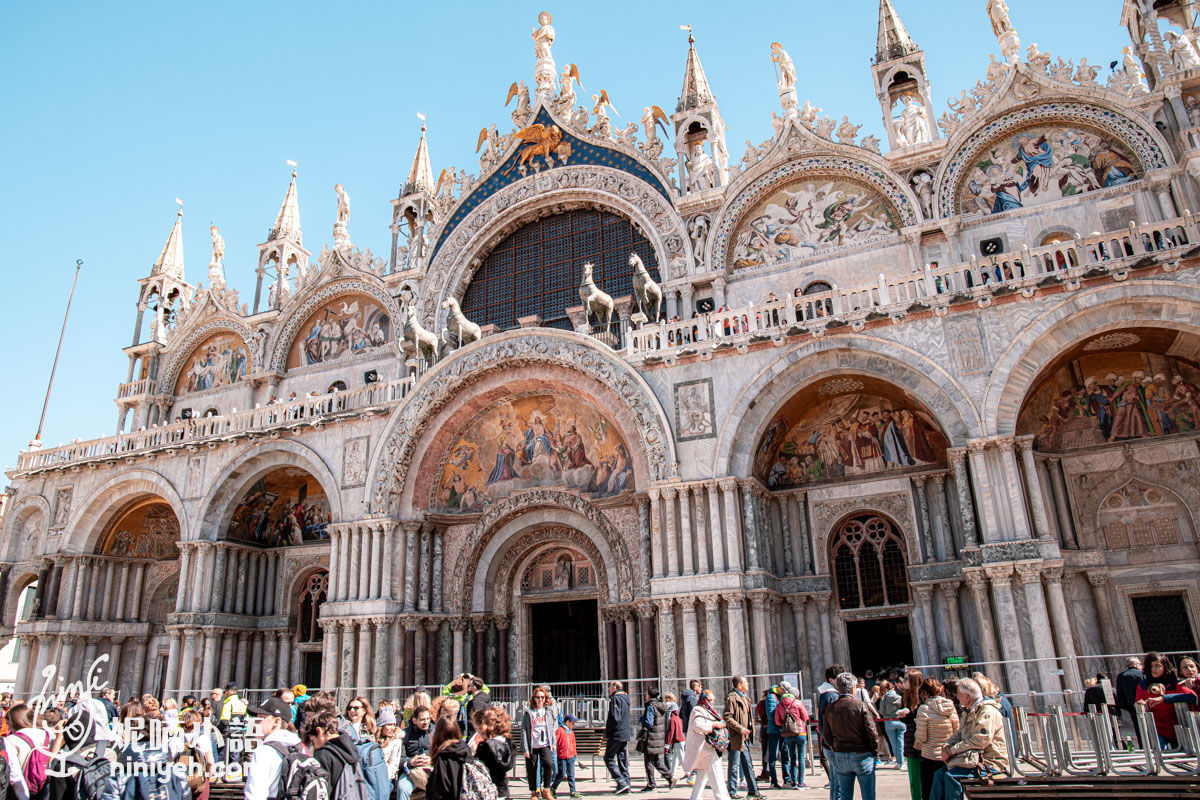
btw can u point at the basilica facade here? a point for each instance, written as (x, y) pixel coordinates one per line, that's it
(619, 404)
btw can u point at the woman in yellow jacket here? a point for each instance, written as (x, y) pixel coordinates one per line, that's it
(936, 723)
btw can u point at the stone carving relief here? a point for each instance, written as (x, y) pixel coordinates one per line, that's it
(510, 352)
(970, 356)
(586, 570)
(354, 462)
(694, 410)
(62, 507)
(825, 513)
(1140, 515)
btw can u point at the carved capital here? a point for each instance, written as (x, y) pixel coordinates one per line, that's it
(480, 624)
(822, 601)
(668, 493)
(978, 445)
(950, 589)
(957, 455)
(919, 481)
(410, 623)
(432, 623)
(1029, 573)
(728, 484)
(411, 526)
(380, 622)
(1097, 579)
(712, 602)
(504, 622)
(976, 580)
(796, 601)
(666, 605)
(736, 601)
(924, 591)
(645, 609)
(1052, 574)
(1024, 444)
(1001, 577)
(939, 480)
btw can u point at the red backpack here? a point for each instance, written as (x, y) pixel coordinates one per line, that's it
(35, 765)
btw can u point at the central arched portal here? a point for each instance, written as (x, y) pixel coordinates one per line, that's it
(558, 600)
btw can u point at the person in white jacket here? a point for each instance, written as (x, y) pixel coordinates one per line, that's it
(701, 757)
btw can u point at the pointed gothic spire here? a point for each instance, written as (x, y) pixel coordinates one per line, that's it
(287, 223)
(695, 84)
(894, 41)
(420, 176)
(170, 260)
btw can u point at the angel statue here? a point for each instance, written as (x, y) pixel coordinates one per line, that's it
(566, 92)
(809, 114)
(520, 114)
(787, 70)
(998, 13)
(602, 127)
(445, 186)
(652, 115)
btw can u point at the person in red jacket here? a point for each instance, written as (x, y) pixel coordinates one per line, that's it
(675, 734)
(566, 751)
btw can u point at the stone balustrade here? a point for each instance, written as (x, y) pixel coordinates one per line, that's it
(144, 386)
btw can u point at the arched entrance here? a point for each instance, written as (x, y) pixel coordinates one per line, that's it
(868, 558)
(558, 597)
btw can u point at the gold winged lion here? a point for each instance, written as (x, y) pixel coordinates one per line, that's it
(541, 141)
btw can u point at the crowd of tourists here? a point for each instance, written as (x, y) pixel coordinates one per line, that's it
(459, 745)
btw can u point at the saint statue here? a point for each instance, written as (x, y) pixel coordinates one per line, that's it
(787, 70)
(912, 127)
(343, 207)
(998, 12)
(543, 37)
(700, 169)
(218, 246)
(1183, 52)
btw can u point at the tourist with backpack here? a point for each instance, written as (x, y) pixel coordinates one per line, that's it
(792, 718)
(337, 752)
(418, 736)
(195, 753)
(456, 775)
(146, 758)
(492, 726)
(27, 748)
(281, 769)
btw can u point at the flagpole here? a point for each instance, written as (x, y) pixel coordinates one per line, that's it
(38, 439)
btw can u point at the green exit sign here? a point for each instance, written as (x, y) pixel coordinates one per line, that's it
(955, 661)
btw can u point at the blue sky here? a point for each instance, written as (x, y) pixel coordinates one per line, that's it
(112, 110)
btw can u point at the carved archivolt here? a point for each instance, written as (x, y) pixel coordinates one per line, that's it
(182, 351)
(557, 189)
(469, 555)
(508, 352)
(298, 315)
(507, 573)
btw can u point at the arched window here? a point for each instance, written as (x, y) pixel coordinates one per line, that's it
(336, 386)
(868, 559)
(537, 269)
(311, 598)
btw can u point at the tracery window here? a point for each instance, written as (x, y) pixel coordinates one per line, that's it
(311, 597)
(868, 564)
(537, 269)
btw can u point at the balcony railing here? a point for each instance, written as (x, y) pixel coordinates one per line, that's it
(292, 413)
(1069, 260)
(144, 386)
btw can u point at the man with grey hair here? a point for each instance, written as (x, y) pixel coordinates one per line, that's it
(978, 747)
(1127, 686)
(848, 730)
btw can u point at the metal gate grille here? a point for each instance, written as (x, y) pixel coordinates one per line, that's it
(1163, 623)
(537, 269)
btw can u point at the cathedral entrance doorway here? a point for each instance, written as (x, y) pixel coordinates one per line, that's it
(879, 644)
(565, 642)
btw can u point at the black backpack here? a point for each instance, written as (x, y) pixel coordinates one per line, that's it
(301, 776)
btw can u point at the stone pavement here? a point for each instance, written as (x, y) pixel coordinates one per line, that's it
(890, 784)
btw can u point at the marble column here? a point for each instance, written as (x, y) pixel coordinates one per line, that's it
(354, 587)
(944, 541)
(649, 638)
(686, 537)
(329, 653)
(750, 528)
(918, 482)
(83, 570)
(1013, 491)
(139, 586)
(790, 567)
(382, 675)
(231, 580)
(431, 629)
(826, 623)
(1030, 576)
(241, 581)
(345, 567)
(1104, 616)
(252, 585)
(139, 667)
(119, 612)
(703, 565)
(977, 582)
(1062, 507)
(283, 651)
(185, 571)
(426, 557)
(1009, 632)
(376, 533)
(985, 494)
(758, 629)
(388, 532)
(733, 528)
(924, 608)
(242, 676)
(796, 604)
(97, 577)
(187, 664)
(411, 624)
(1060, 619)
(668, 663)
(66, 659)
(45, 643)
(714, 642)
(457, 627)
(816, 652)
(620, 644)
(271, 595)
(503, 624)
(691, 639)
(362, 538)
(270, 680)
(110, 592)
(225, 672)
(335, 567)
(1041, 524)
(657, 553)
(208, 679)
(436, 577)
(962, 484)
(411, 529)
(667, 503)
(362, 677)
(803, 531)
(67, 590)
(173, 657)
(349, 652)
(950, 596)
(714, 521)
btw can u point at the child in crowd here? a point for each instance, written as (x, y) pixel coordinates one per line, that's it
(566, 750)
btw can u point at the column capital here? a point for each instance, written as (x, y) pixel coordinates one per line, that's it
(796, 601)
(939, 479)
(712, 602)
(1097, 579)
(924, 591)
(976, 579)
(244, 635)
(950, 589)
(822, 601)
(1053, 573)
(503, 621)
(141, 641)
(1025, 443)
(432, 623)
(728, 484)
(91, 641)
(645, 608)
(481, 623)
(978, 445)
(460, 624)
(411, 525)
(349, 625)
(1004, 440)
(957, 455)
(410, 623)
(666, 605)
(919, 481)
(687, 605)
(1001, 577)
(1029, 573)
(380, 622)
(668, 493)
(191, 633)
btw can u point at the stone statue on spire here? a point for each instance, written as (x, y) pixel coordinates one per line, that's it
(216, 271)
(1010, 43)
(341, 235)
(544, 72)
(785, 71)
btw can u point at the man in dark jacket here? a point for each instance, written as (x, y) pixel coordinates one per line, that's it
(616, 736)
(826, 695)
(336, 755)
(417, 737)
(479, 700)
(654, 733)
(1127, 686)
(849, 730)
(689, 700)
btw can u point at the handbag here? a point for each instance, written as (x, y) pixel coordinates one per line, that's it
(641, 741)
(718, 740)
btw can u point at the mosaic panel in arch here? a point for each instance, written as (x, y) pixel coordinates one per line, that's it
(846, 426)
(533, 440)
(1114, 387)
(559, 570)
(286, 506)
(220, 360)
(815, 213)
(1043, 164)
(147, 529)
(342, 327)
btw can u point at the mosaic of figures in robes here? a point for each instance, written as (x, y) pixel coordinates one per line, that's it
(285, 507)
(146, 530)
(812, 214)
(220, 361)
(342, 327)
(1115, 387)
(845, 427)
(1044, 164)
(533, 440)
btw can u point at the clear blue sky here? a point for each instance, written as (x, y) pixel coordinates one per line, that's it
(114, 109)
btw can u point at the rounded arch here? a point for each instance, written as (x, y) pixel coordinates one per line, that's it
(17, 521)
(227, 490)
(12, 601)
(505, 573)
(305, 596)
(564, 188)
(179, 354)
(311, 299)
(775, 383)
(504, 523)
(771, 174)
(1143, 141)
(1146, 304)
(636, 404)
(111, 498)
(868, 558)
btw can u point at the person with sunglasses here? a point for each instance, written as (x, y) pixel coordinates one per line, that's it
(539, 733)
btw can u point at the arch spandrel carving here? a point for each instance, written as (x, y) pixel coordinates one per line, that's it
(512, 350)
